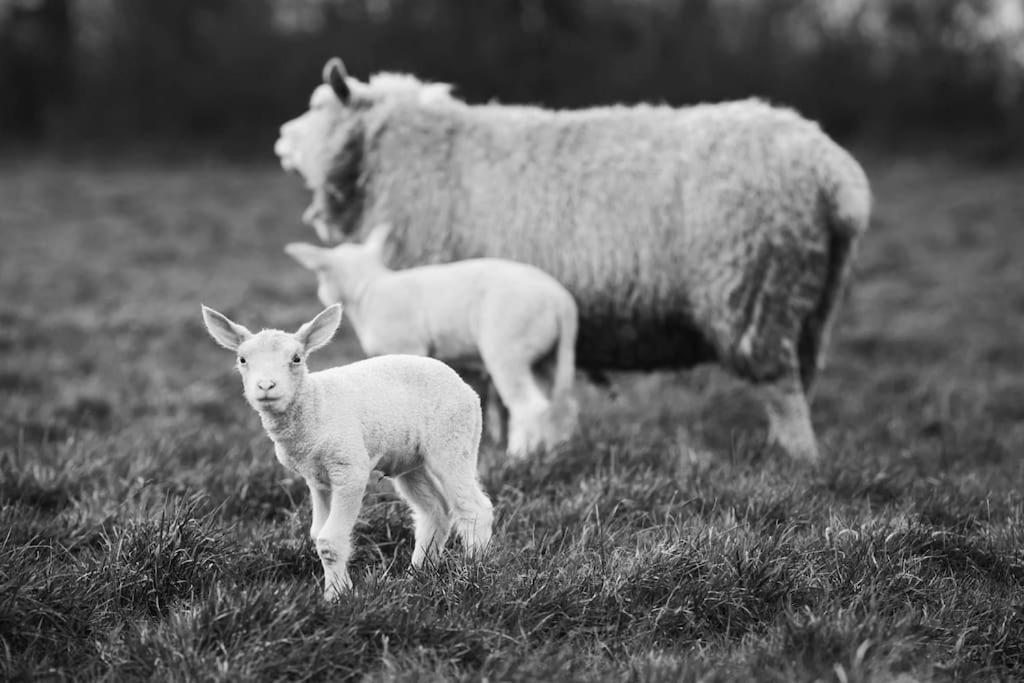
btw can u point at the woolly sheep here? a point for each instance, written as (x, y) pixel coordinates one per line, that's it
(410, 417)
(712, 233)
(513, 318)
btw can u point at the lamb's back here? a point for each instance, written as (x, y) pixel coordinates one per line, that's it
(401, 402)
(460, 286)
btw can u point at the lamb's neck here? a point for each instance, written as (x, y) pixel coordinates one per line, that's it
(293, 425)
(358, 288)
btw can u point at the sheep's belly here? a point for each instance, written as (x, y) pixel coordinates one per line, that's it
(641, 345)
(454, 351)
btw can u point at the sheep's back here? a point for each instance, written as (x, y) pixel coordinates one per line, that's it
(651, 217)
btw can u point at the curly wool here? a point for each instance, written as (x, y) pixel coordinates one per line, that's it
(713, 232)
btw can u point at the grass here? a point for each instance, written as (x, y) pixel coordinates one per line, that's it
(146, 530)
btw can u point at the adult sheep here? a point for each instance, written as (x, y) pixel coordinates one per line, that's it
(712, 233)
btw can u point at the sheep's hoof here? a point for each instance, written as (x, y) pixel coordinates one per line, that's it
(804, 452)
(801, 447)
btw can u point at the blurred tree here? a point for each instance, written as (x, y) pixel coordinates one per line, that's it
(227, 72)
(35, 63)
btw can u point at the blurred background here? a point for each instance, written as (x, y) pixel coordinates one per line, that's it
(146, 529)
(224, 74)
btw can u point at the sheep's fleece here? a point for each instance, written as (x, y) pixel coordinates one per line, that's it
(719, 232)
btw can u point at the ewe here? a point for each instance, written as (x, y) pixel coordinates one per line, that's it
(410, 417)
(714, 233)
(515, 319)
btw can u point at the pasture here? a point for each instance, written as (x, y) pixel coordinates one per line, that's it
(146, 530)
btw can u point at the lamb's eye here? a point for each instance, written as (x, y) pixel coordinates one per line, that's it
(241, 360)
(296, 359)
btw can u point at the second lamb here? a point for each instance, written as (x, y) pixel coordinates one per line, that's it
(515, 319)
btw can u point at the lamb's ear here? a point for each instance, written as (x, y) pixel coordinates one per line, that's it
(378, 237)
(309, 255)
(320, 330)
(228, 334)
(334, 76)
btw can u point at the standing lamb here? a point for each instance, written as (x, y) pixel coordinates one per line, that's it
(410, 417)
(719, 232)
(514, 318)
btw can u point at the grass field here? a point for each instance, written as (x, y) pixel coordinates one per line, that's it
(146, 530)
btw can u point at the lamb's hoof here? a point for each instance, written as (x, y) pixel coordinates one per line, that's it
(336, 589)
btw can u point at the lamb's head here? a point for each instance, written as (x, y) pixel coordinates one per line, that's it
(273, 363)
(343, 271)
(324, 145)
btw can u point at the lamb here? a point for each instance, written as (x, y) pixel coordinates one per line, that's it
(712, 233)
(513, 318)
(410, 417)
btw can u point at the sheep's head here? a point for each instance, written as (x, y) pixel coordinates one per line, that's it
(272, 363)
(323, 145)
(341, 271)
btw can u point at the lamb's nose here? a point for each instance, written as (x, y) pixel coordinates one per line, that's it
(266, 384)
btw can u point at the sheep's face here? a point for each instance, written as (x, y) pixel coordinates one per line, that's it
(314, 143)
(307, 144)
(272, 363)
(324, 145)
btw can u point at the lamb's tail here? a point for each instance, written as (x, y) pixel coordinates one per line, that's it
(847, 197)
(563, 403)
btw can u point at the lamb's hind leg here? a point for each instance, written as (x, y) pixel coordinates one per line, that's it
(474, 520)
(432, 515)
(495, 414)
(527, 405)
(472, 512)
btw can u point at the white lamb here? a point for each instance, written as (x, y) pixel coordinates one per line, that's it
(410, 417)
(514, 318)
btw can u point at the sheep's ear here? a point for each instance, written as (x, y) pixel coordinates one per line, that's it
(309, 255)
(320, 330)
(378, 237)
(228, 334)
(334, 76)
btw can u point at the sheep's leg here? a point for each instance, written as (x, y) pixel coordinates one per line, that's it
(334, 541)
(789, 418)
(431, 515)
(527, 405)
(320, 499)
(772, 305)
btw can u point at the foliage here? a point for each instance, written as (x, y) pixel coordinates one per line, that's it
(229, 72)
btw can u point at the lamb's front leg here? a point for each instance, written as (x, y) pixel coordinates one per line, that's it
(334, 540)
(320, 499)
